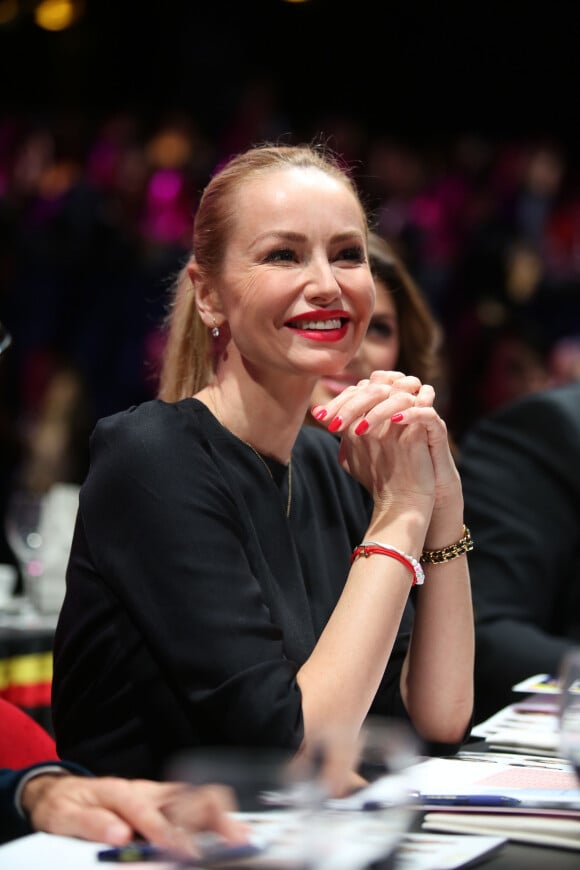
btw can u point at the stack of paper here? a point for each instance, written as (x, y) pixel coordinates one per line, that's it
(531, 800)
(541, 830)
(530, 725)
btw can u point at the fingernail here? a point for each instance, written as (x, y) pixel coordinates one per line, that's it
(362, 427)
(396, 418)
(117, 834)
(321, 414)
(336, 424)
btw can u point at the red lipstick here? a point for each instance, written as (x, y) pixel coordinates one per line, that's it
(326, 325)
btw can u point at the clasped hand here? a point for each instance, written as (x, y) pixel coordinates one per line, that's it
(393, 441)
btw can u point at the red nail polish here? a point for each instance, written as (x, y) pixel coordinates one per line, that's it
(396, 418)
(321, 414)
(336, 424)
(362, 427)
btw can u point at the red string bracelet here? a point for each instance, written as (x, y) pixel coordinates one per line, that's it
(370, 548)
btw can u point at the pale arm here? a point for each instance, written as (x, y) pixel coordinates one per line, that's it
(409, 470)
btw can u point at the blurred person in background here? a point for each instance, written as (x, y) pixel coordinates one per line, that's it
(564, 360)
(492, 365)
(519, 467)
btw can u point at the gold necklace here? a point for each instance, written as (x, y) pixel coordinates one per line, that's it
(269, 470)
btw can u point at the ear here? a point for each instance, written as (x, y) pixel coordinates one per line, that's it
(207, 299)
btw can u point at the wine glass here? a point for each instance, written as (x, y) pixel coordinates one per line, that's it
(22, 526)
(5, 338)
(569, 710)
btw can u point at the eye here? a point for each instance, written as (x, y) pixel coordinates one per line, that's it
(354, 254)
(281, 255)
(382, 329)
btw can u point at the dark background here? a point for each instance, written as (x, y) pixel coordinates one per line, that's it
(446, 109)
(429, 69)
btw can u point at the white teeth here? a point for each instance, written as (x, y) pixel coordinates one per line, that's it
(316, 324)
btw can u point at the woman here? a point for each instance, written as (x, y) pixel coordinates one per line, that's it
(217, 591)
(402, 333)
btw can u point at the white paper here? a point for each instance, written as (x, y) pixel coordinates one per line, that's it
(48, 850)
(435, 851)
(540, 684)
(521, 730)
(544, 831)
(419, 852)
(531, 785)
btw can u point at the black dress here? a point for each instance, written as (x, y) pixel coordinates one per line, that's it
(192, 599)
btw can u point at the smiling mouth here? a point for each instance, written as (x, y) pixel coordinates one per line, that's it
(318, 325)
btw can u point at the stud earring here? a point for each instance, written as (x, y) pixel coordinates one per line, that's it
(215, 330)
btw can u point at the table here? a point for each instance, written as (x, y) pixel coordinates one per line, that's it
(517, 856)
(26, 642)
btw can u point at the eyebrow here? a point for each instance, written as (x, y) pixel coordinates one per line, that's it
(291, 236)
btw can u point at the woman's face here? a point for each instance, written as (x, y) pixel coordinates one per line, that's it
(379, 349)
(295, 289)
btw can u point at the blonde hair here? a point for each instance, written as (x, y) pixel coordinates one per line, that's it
(188, 362)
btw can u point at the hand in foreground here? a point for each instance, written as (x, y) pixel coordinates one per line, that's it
(114, 810)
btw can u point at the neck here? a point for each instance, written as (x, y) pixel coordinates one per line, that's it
(267, 422)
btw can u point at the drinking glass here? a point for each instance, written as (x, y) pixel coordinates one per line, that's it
(344, 838)
(287, 800)
(22, 527)
(569, 711)
(5, 338)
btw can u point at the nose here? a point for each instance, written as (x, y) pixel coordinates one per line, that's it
(321, 286)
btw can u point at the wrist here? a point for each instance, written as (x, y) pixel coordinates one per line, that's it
(459, 547)
(445, 527)
(406, 530)
(34, 788)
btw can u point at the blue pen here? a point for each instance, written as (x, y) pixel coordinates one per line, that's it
(469, 800)
(133, 852)
(217, 853)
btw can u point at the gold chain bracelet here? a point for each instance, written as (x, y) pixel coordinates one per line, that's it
(463, 545)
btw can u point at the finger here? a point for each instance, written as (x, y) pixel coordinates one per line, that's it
(209, 807)
(332, 409)
(382, 412)
(353, 404)
(120, 805)
(88, 822)
(409, 383)
(385, 377)
(425, 396)
(73, 806)
(146, 812)
(425, 416)
(325, 414)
